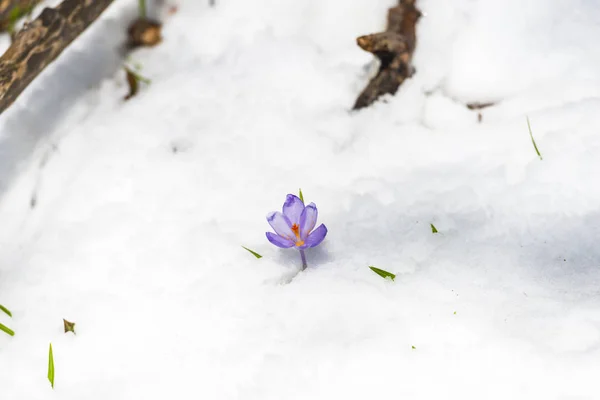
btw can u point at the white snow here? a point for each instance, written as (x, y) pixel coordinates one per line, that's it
(141, 208)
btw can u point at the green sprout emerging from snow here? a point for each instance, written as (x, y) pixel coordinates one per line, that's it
(4, 328)
(384, 274)
(255, 254)
(142, 9)
(51, 366)
(533, 140)
(5, 310)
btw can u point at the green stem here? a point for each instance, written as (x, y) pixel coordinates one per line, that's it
(142, 8)
(303, 256)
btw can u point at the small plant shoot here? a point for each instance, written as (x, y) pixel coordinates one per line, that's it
(5, 328)
(384, 274)
(533, 140)
(142, 9)
(5, 310)
(51, 367)
(301, 195)
(255, 254)
(433, 229)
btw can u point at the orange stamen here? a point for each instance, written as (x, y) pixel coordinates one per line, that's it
(296, 230)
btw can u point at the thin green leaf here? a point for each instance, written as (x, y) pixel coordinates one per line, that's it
(382, 273)
(51, 366)
(413, 347)
(255, 254)
(533, 140)
(301, 196)
(142, 8)
(433, 229)
(7, 330)
(2, 308)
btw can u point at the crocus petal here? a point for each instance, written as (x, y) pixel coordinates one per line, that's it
(279, 241)
(308, 220)
(316, 237)
(292, 208)
(281, 224)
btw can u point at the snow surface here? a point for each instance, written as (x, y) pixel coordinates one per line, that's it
(141, 208)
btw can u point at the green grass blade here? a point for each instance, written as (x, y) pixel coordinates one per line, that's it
(7, 330)
(142, 8)
(433, 229)
(301, 195)
(533, 140)
(51, 367)
(382, 273)
(255, 254)
(6, 310)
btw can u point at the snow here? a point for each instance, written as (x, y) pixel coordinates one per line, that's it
(141, 208)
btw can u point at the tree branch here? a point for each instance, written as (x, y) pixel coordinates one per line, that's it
(394, 48)
(41, 41)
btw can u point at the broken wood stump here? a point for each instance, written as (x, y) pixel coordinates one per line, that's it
(394, 48)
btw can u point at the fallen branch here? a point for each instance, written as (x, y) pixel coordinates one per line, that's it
(394, 48)
(41, 41)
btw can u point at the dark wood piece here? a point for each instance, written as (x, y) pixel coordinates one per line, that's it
(394, 48)
(41, 41)
(132, 82)
(144, 32)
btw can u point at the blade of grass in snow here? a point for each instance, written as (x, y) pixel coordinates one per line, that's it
(433, 229)
(51, 366)
(532, 140)
(7, 330)
(382, 273)
(142, 8)
(255, 254)
(300, 195)
(2, 308)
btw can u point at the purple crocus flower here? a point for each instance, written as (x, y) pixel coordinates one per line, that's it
(295, 226)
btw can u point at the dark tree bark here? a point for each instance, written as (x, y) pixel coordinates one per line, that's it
(41, 41)
(394, 48)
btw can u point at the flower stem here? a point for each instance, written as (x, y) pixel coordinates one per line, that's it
(303, 256)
